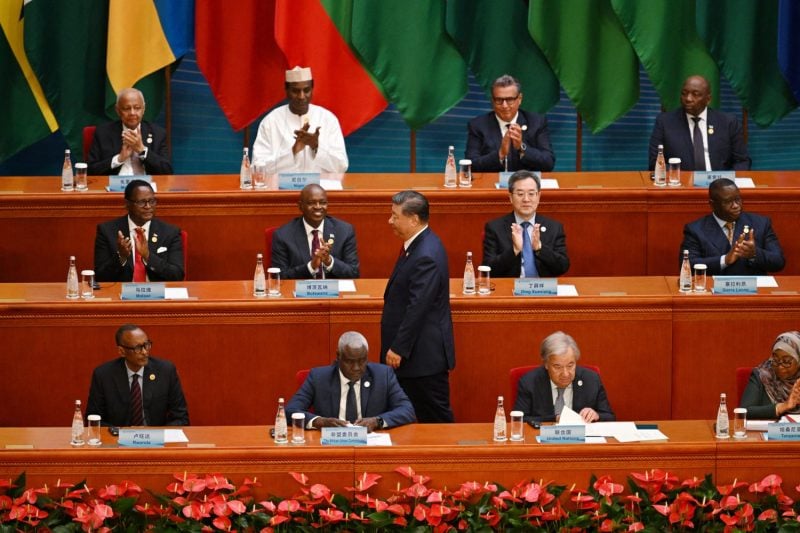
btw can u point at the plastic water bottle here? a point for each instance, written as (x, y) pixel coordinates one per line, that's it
(685, 281)
(723, 423)
(660, 173)
(469, 276)
(259, 279)
(77, 426)
(67, 178)
(281, 431)
(72, 279)
(245, 178)
(450, 168)
(500, 422)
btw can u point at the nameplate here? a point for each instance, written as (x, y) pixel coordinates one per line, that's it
(735, 285)
(502, 180)
(118, 183)
(317, 288)
(344, 436)
(535, 287)
(562, 434)
(703, 178)
(294, 181)
(143, 291)
(783, 431)
(141, 438)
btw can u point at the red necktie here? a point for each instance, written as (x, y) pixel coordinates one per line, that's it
(138, 265)
(137, 417)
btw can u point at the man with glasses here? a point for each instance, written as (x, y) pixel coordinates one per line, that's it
(730, 241)
(138, 247)
(523, 243)
(509, 138)
(137, 389)
(130, 145)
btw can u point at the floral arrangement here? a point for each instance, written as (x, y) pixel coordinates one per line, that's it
(654, 501)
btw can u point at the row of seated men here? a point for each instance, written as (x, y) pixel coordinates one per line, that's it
(137, 389)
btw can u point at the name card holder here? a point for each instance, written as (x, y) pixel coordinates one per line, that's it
(502, 179)
(118, 183)
(783, 431)
(703, 178)
(294, 181)
(143, 291)
(562, 434)
(735, 285)
(535, 287)
(141, 438)
(317, 288)
(344, 436)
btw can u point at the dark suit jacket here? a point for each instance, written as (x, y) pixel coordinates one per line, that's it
(108, 142)
(416, 322)
(706, 242)
(321, 391)
(484, 138)
(498, 250)
(290, 251)
(726, 147)
(535, 395)
(756, 400)
(166, 265)
(162, 395)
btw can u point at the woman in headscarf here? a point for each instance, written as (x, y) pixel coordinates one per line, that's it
(774, 387)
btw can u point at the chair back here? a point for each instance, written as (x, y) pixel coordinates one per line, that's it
(88, 137)
(185, 243)
(301, 376)
(516, 373)
(268, 245)
(742, 377)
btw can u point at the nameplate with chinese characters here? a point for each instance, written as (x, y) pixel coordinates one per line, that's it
(735, 285)
(141, 438)
(783, 431)
(502, 180)
(294, 181)
(535, 287)
(118, 183)
(562, 434)
(143, 291)
(317, 288)
(344, 436)
(703, 178)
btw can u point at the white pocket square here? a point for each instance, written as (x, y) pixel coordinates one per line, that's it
(161, 249)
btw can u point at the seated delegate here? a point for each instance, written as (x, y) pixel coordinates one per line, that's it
(774, 387)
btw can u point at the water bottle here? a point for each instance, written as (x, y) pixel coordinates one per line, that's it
(245, 178)
(469, 276)
(660, 173)
(685, 281)
(72, 280)
(450, 168)
(67, 178)
(723, 428)
(259, 279)
(281, 431)
(500, 422)
(77, 426)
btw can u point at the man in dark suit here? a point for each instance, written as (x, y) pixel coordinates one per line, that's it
(315, 245)
(719, 144)
(524, 243)
(136, 389)
(138, 247)
(129, 146)
(560, 382)
(416, 326)
(719, 240)
(509, 138)
(352, 390)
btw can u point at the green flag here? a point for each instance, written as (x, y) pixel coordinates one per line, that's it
(742, 36)
(66, 45)
(493, 37)
(404, 45)
(590, 54)
(664, 35)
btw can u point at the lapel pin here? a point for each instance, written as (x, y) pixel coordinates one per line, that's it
(155, 237)
(580, 383)
(542, 228)
(152, 377)
(524, 127)
(149, 138)
(366, 384)
(710, 129)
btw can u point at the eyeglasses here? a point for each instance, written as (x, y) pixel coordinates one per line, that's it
(525, 194)
(144, 203)
(784, 362)
(139, 348)
(507, 100)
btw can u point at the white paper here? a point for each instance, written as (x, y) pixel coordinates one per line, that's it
(330, 185)
(566, 290)
(379, 439)
(622, 431)
(766, 281)
(549, 183)
(176, 293)
(570, 418)
(650, 434)
(347, 285)
(175, 435)
(758, 425)
(744, 183)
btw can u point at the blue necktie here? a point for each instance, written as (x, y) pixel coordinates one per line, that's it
(528, 263)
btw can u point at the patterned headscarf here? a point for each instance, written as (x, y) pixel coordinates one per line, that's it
(777, 389)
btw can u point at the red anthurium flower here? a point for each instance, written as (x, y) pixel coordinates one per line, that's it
(194, 485)
(769, 515)
(288, 506)
(365, 481)
(636, 526)
(728, 489)
(608, 525)
(396, 509)
(331, 515)
(729, 502)
(405, 471)
(400, 521)
(692, 483)
(5, 502)
(300, 478)
(435, 496)
(218, 482)
(268, 506)
(278, 520)
(417, 491)
(222, 523)
(770, 484)
(237, 506)
(462, 525)
(607, 488)
(319, 490)
(492, 517)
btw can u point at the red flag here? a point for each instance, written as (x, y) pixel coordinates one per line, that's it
(237, 53)
(309, 37)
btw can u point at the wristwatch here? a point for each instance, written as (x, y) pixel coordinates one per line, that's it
(381, 423)
(143, 153)
(522, 149)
